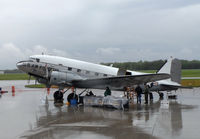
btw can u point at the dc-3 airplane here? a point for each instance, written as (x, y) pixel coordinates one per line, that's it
(65, 72)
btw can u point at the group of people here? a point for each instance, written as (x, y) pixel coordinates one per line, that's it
(139, 91)
(106, 93)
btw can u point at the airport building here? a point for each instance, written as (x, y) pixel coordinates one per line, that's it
(1, 72)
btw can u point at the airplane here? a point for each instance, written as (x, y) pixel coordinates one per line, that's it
(64, 72)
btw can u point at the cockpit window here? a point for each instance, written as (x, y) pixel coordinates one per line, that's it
(37, 60)
(105, 75)
(69, 68)
(78, 70)
(32, 58)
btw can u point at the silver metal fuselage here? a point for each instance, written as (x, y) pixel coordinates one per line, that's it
(41, 66)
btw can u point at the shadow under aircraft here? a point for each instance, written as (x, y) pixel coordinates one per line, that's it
(137, 122)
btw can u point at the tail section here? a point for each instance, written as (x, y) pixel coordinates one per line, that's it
(172, 67)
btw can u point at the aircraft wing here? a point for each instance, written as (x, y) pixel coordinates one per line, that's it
(119, 82)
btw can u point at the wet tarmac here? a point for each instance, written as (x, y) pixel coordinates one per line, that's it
(31, 114)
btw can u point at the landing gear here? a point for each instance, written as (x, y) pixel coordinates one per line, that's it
(58, 96)
(161, 95)
(151, 96)
(72, 96)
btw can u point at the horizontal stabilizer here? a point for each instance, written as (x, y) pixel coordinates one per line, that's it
(177, 86)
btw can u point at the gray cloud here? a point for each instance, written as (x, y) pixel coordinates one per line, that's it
(100, 31)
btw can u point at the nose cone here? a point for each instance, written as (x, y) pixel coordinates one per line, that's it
(20, 65)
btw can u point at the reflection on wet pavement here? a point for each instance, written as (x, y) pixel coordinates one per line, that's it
(31, 118)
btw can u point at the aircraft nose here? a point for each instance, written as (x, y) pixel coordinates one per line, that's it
(20, 65)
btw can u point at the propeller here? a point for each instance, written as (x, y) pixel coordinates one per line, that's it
(47, 72)
(29, 78)
(35, 81)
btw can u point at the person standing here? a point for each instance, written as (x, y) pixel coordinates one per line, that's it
(146, 93)
(138, 90)
(107, 92)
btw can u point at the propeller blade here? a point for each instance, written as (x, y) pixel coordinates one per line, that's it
(29, 78)
(47, 72)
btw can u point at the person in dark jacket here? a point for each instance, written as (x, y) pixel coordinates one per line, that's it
(138, 90)
(107, 92)
(146, 93)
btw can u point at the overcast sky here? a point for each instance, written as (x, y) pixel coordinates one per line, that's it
(99, 30)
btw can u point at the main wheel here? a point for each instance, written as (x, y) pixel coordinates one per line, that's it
(58, 96)
(161, 95)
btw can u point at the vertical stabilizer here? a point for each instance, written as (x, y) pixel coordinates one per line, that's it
(172, 67)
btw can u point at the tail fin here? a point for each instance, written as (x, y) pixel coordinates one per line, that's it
(172, 67)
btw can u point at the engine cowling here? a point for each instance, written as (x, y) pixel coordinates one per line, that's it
(57, 77)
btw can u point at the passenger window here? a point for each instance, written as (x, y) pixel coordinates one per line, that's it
(78, 70)
(97, 74)
(69, 68)
(36, 66)
(105, 75)
(37, 59)
(28, 65)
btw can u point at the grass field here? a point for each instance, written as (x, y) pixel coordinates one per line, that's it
(19, 76)
(16, 76)
(191, 73)
(185, 73)
(35, 86)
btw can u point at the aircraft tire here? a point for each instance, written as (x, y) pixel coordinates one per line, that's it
(161, 95)
(58, 96)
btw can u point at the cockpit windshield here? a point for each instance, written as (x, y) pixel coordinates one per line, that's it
(26, 61)
(34, 59)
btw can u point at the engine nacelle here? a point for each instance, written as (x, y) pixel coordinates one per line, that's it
(58, 77)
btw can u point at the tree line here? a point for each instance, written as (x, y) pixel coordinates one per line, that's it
(153, 65)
